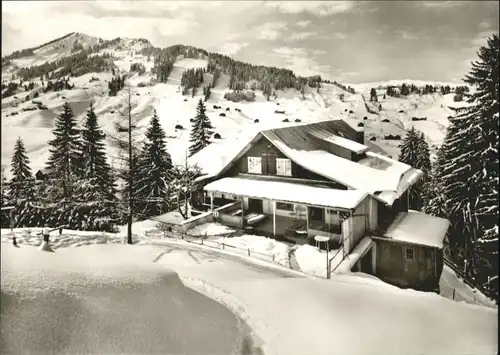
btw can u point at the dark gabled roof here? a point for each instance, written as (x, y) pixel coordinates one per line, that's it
(316, 136)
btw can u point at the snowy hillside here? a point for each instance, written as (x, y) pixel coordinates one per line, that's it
(21, 118)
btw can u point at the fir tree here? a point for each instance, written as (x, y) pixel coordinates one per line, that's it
(201, 130)
(21, 184)
(153, 175)
(90, 209)
(94, 163)
(435, 202)
(404, 90)
(415, 152)
(469, 170)
(65, 153)
(424, 156)
(4, 201)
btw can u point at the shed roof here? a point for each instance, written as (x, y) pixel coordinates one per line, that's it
(418, 228)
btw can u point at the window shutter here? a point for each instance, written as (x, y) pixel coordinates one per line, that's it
(288, 167)
(284, 167)
(254, 165)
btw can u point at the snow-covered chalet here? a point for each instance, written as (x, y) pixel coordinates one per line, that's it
(297, 182)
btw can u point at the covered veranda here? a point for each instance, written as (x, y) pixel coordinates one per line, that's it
(262, 197)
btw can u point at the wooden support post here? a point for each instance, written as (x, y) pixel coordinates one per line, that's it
(307, 219)
(242, 210)
(211, 201)
(374, 259)
(408, 199)
(11, 215)
(274, 217)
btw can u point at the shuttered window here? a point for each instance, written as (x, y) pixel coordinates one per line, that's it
(283, 167)
(254, 165)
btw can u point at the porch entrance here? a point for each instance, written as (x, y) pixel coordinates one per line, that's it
(316, 214)
(255, 205)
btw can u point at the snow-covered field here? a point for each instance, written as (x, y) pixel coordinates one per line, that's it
(313, 261)
(174, 109)
(32, 237)
(107, 299)
(454, 288)
(277, 251)
(209, 230)
(271, 300)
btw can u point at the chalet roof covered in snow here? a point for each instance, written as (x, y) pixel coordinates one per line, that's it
(288, 192)
(219, 154)
(339, 139)
(386, 184)
(307, 145)
(418, 228)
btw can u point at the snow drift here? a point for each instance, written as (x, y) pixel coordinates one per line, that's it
(84, 301)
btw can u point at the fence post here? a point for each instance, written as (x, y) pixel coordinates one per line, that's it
(273, 257)
(454, 293)
(222, 245)
(14, 241)
(248, 251)
(202, 242)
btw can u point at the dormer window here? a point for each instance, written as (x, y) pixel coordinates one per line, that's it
(254, 165)
(283, 167)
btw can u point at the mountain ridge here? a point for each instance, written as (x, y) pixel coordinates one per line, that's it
(280, 97)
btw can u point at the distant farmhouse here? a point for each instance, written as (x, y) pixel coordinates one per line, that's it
(41, 175)
(320, 179)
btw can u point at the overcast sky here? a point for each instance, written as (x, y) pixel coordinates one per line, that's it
(349, 41)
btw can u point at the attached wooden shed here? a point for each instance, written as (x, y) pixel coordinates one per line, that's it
(410, 253)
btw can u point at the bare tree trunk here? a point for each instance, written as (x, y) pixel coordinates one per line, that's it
(179, 207)
(128, 123)
(130, 173)
(186, 174)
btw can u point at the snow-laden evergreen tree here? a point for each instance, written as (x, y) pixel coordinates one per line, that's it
(415, 152)
(65, 160)
(434, 203)
(424, 155)
(4, 201)
(153, 173)
(94, 162)
(22, 182)
(469, 170)
(201, 130)
(90, 209)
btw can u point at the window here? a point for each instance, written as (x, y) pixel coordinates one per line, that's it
(334, 216)
(410, 254)
(283, 167)
(254, 165)
(284, 206)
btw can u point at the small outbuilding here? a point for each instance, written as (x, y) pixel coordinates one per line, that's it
(41, 175)
(410, 253)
